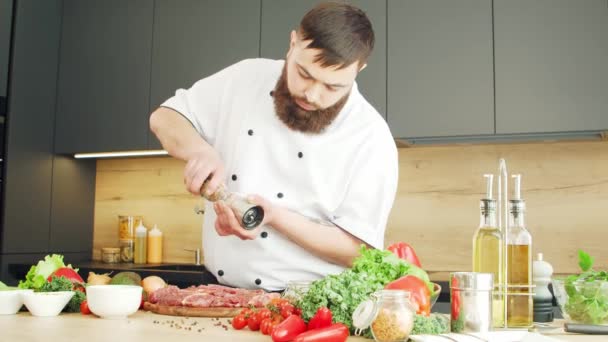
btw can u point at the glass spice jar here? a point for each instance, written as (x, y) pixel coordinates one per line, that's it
(110, 255)
(389, 314)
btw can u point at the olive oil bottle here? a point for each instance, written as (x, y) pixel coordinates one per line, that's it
(519, 299)
(488, 251)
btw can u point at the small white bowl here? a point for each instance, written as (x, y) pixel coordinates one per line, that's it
(46, 304)
(11, 301)
(114, 301)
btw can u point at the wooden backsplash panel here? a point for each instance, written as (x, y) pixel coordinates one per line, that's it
(565, 186)
(436, 210)
(153, 188)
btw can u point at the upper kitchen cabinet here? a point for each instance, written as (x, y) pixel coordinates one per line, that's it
(440, 80)
(280, 17)
(551, 71)
(194, 39)
(104, 76)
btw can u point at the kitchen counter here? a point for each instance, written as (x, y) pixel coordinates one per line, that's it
(149, 327)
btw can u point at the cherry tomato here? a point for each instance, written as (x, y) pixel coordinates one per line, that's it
(287, 310)
(265, 326)
(263, 314)
(84, 308)
(253, 322)
(239, 322)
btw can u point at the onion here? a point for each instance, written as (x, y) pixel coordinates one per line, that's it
(98, 279)
(152, 283)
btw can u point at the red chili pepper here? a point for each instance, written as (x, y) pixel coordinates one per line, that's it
(321, 319)
(337, 332)
(420, 294)
(405, 252)
(289, 329)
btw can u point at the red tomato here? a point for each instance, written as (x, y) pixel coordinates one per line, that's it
(239, 322)
(265, 326)
(263, 314)
(253, 322)
(287, 310)
(84, 308)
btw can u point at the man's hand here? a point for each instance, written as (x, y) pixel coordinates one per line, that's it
(228, 224)
(202, 165)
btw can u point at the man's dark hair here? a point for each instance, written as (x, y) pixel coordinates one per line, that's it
(341, 31)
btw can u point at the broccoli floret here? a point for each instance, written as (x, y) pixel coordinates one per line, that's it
(432, 325)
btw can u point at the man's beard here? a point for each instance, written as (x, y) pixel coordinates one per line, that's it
(295, 117)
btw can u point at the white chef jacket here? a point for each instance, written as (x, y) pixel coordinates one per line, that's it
(347, 175)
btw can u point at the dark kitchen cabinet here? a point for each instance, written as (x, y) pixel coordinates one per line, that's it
(29, 158)
(6, 16)
(551, 72)
(194, 39)
(280, 17)
(440, 80)
(104, 75)
(47, 205)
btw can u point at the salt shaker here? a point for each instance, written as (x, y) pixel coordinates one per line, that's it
(471, 302)
(543, 299)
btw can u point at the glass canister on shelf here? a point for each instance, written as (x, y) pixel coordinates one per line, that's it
(389, 314)
(110, 255)
(295, 290)
(126, 236)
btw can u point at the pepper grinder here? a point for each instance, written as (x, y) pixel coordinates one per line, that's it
(543, 299)
(249, 215)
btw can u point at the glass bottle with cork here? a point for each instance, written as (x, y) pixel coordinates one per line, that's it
(519, 299)
(488, 252)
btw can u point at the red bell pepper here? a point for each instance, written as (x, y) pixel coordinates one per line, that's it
(67, 272)
(337, 332)
(405, 252)
(321, 319)
(420, 295)
(289, 329)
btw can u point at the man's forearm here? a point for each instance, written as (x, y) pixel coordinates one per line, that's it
(322, 239)
(176, 134)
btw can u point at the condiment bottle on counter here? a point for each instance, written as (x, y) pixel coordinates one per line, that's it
(488, 251)
(519, 264)
(140, 244)
(155, 246)
(543, 299)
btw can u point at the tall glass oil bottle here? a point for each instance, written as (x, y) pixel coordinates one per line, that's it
(488, 252)
(519, 264)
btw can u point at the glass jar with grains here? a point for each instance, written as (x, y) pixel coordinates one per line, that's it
(389, 314)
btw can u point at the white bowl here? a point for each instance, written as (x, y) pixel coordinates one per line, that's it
(46, 304)
(114, 301)
(11, 301)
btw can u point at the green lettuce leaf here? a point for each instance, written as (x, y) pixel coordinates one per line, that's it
(37, 275)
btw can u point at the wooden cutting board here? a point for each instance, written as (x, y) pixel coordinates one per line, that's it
(171, 310)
